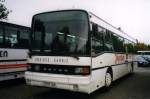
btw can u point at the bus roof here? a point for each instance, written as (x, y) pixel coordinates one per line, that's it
(143, 51)
(110, 27)
(12, 24)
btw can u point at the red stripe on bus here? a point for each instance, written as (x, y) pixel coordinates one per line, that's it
(6, 66)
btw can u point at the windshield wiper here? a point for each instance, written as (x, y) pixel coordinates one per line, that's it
(76, 57)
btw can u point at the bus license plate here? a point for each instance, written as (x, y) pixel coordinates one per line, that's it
(52, 84)
(46, 83)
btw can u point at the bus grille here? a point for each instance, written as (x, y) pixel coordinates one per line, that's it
(58, 69)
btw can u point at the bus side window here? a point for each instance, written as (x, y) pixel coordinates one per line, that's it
(129, 46)
(10, 36)
(101, 38)
(118, 43)
(1, 36)
(94, 29)
(97, 40)
(23, 41)
(107, 41)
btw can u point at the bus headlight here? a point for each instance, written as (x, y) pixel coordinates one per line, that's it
(29, 68)
(37, 68)
(82, 70)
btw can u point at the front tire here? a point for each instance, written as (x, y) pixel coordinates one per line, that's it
(108, 80)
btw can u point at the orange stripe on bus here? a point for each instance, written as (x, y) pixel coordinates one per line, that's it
(6, 66)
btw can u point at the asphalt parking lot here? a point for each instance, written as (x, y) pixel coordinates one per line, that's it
(136, 86)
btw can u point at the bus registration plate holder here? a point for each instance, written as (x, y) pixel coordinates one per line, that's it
(46, 84)
(52, 84)
(49, 84)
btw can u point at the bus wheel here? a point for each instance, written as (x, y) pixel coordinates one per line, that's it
(108, 79)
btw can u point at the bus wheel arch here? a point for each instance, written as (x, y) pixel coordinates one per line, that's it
(108, 77)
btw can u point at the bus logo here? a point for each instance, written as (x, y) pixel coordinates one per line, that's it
(50, 60)
(120, 58)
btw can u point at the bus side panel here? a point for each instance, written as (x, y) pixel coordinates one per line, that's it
(119, 71)
(12, 75)
(129, 70)
(9, 70)
(115, 61)
(98, 79)
(13, 63)
(106, 59)
(99, 68)
(13, 54)
(125, 67)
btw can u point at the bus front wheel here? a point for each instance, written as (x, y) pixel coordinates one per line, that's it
(108, 79)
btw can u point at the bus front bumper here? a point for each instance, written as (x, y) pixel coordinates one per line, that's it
(67, 82)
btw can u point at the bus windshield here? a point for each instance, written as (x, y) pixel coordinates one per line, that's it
(60, 33)
(143, 52)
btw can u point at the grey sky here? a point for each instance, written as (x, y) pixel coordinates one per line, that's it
(131, 15)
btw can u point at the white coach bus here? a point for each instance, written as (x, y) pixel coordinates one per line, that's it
(13, 50)
(78, 51)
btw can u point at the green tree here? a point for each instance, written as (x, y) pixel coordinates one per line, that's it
(142, 46)
(3, 11)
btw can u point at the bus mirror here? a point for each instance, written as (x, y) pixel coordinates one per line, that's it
(94, 29)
